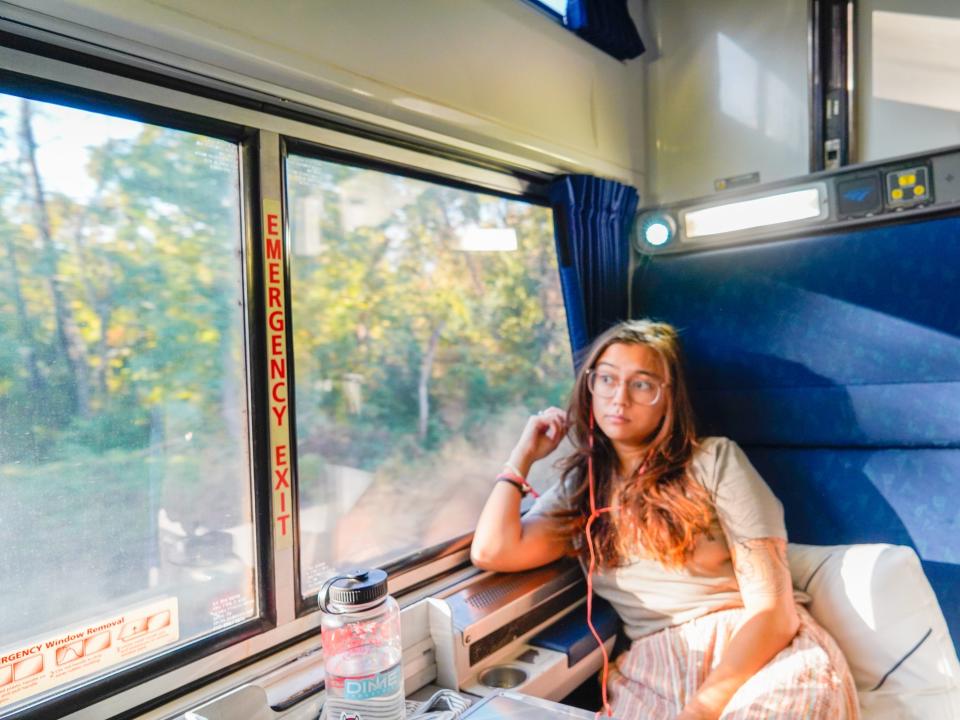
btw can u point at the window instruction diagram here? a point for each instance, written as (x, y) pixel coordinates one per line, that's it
(33, 667)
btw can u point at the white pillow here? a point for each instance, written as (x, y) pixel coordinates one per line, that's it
(879, 607)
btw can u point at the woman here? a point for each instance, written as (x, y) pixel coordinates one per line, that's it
(689, 543)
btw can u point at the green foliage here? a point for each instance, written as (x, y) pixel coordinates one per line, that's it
(121, 354)
(147, 267)
(145, 264)
(122, 388)
(383, 274)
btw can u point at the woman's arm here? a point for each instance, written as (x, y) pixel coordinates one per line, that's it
(505, 542)
(769, 624)
(502, 541)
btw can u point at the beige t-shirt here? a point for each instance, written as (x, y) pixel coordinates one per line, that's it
(649, 596)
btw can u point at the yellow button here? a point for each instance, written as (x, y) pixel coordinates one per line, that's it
(896, 193)
(919, 190)
(904, 180)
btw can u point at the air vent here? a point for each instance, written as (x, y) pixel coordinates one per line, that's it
(489, 597)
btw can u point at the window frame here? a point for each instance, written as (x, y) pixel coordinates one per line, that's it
(285, 627)
(92, 688)
(421, 566)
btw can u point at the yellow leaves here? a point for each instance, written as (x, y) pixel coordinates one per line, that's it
(88, 322)
(115, 383)
(158, 394)
(208, 336)
(203, 275)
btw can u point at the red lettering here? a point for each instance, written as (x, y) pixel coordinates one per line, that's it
(280, 455)
(275, 320)
(20, 654)
(273, 273)
(273, 248)
(276, 344)
(278, 368)
(275, 392)
(273, 223)
(279, 412)
(274, 294)
(282, 519)
(281, 478)
(283, 502)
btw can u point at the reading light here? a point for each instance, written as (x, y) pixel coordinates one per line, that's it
(790, 206)
(656, 233)
(654, 230)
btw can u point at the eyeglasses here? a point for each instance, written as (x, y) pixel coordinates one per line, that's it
(641, 389)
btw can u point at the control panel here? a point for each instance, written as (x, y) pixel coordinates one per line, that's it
(869, 193)
(908, 187)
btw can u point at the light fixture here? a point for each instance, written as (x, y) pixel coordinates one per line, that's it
(795, 205)
(654, 230)
(656, 234)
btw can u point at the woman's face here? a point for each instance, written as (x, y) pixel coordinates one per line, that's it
(627, 422)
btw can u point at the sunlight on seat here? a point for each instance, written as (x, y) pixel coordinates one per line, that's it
(857, 573)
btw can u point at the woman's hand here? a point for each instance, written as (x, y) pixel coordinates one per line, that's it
(503, 541)
(541, 436)
(769, 623)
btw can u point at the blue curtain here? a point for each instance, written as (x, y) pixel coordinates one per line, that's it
(592, 220)
(605, 24)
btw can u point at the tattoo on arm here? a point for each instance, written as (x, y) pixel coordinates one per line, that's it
(761, 566)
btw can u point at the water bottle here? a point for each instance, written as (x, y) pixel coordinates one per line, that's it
(360, 628)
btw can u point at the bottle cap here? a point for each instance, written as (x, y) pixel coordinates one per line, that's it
(354, 588)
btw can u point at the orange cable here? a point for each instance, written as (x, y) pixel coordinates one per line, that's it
(594, 514)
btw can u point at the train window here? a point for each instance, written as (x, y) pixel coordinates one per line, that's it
(907, 93)
(557, 6)
(126, 521)
(428, 322)
(606, 25)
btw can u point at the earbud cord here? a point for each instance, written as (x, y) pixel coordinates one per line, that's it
(594, 514)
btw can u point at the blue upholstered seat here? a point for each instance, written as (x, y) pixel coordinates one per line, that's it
(835, 362)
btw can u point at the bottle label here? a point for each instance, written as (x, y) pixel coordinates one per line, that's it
(369, 686)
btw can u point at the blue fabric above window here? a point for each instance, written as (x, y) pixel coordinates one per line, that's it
(592, 218)
(605, 24)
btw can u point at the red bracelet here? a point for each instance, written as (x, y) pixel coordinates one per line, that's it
(519, 482)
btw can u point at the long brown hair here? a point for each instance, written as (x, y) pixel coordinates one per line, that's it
(662, 508)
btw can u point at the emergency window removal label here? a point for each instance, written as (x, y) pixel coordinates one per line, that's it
(33, 667)
(273, 263)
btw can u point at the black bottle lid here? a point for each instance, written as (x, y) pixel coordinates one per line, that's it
(354, 588)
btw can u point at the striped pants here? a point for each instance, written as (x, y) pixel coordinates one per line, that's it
(807, 679)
